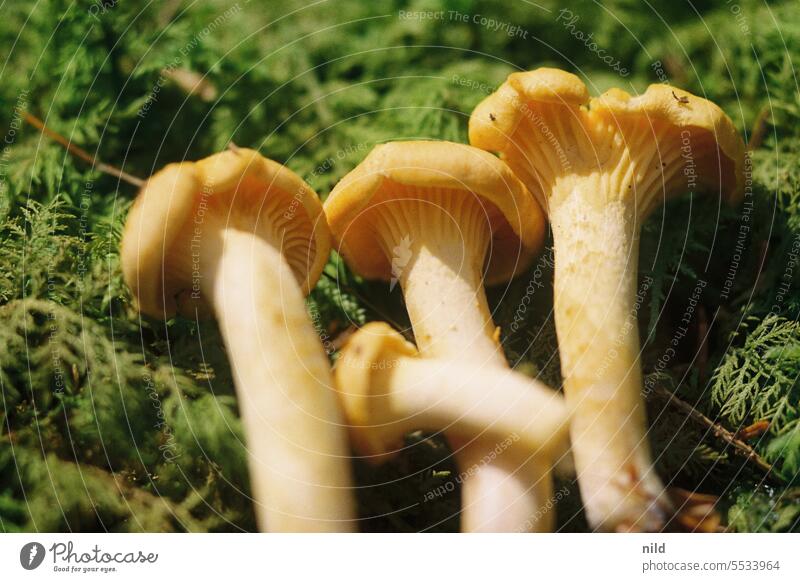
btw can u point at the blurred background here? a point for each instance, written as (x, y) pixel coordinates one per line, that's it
(102, 427)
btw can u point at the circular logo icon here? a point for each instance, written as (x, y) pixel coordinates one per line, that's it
(31, 555)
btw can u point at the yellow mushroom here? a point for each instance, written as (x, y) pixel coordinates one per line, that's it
(437, 217)
(599, 166)
(246, 237)
(388, 391)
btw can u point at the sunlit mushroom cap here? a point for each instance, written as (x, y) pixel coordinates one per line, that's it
(495, 119)
(231, 184)
(373, 349)
(717, 148)
(517, 234)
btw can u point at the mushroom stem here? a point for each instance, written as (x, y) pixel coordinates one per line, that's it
(438, 242)
(506, 469)
(596, 252)
(298, 453)
(446, 302)
(446, 235)
(525, 502)
(428, 393)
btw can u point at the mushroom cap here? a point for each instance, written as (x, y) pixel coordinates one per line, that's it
(435, 164)
(161, 219)
(682, 110)
(494, 120)
(373, 348)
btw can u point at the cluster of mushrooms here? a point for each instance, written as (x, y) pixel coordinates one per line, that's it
(244, 238)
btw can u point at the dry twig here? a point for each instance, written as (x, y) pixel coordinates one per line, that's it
(81, 153)
(740, 447)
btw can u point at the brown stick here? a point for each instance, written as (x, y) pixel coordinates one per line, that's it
(739, 446)
(81, 153)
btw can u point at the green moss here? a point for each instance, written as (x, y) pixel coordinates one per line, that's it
(138, 418)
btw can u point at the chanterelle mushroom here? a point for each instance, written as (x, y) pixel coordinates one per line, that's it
(600, 166)
(437, 217)
(387, 391)
(247, 236)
